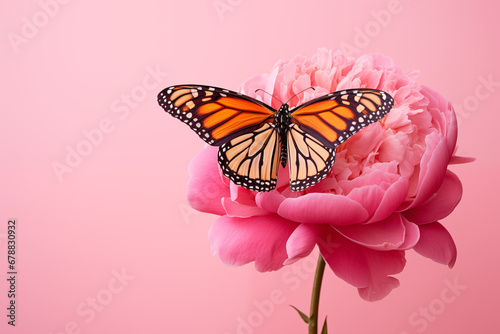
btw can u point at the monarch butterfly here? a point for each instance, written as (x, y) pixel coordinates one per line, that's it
(254, 138)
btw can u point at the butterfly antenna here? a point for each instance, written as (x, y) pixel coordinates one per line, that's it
(300, 93)
(268, 94)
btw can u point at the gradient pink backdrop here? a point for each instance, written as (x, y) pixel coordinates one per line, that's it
(123, 207)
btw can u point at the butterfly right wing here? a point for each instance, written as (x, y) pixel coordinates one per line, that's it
(309, 159)
(335, 117)
(320, 125)
(251, 160)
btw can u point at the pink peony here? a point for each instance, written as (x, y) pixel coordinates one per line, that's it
(385, 194)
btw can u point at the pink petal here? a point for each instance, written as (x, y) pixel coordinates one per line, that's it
(441, 204)
(438, 108)
(437, 244)
(365, 141)
(241, 195)
(324, 79)
(452, 129)
(301, 242)
(269, 201)
(379, 289)
(379, 190)
(412, 234)
(283, 177)
(443, 114)
(234, 209)
(328, 184)
(227, 182)
(324, 59)
(318, 208)
(302, 82)
(364, 268)
(250, 86)
(393, 147)
(242, 240)
(387, 234)
(455, 160)
(393, 197)
(378, 174)
(205, 187)
(368, 196)
(432, 170)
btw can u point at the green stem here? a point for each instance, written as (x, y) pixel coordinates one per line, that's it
(318, 278)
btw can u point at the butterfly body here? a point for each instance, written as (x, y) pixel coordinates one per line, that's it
(254, 138)
(281, 124)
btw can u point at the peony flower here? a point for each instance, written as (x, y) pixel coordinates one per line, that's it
(386, 193)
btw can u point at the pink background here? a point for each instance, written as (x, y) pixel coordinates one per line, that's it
(122, 207)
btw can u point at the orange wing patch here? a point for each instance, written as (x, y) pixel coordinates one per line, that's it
(233, 124)
(217, 118)
(344, 112)
(319, 125)
(334, 120)
(317, 107)
(240, 104)
(209, 108)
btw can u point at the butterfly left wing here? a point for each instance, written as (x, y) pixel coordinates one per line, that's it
(320, 125)
(251, 160)
(217, 115)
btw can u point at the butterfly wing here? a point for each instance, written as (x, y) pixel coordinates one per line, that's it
(335, 117)
(320, 125)
(251, 160)
(217, 115)
(309, 160)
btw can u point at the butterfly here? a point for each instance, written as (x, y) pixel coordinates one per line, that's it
(254, 138)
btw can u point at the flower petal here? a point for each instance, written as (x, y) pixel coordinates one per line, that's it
(412, 234)
(383, 235)
(455, 160)
(365, 141)
(441, 204)
(377, 174)
(242, 240)
(437, 244)
(269, 201)
(433, 168)
(443, 116)
(368, 196)
(234, 209)
(365, 268)
(241, 195)
(393, 147)
(301, 242)
(379, 189)
(205, 188)
(393, 197)
(379, 289)
(317, 208)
